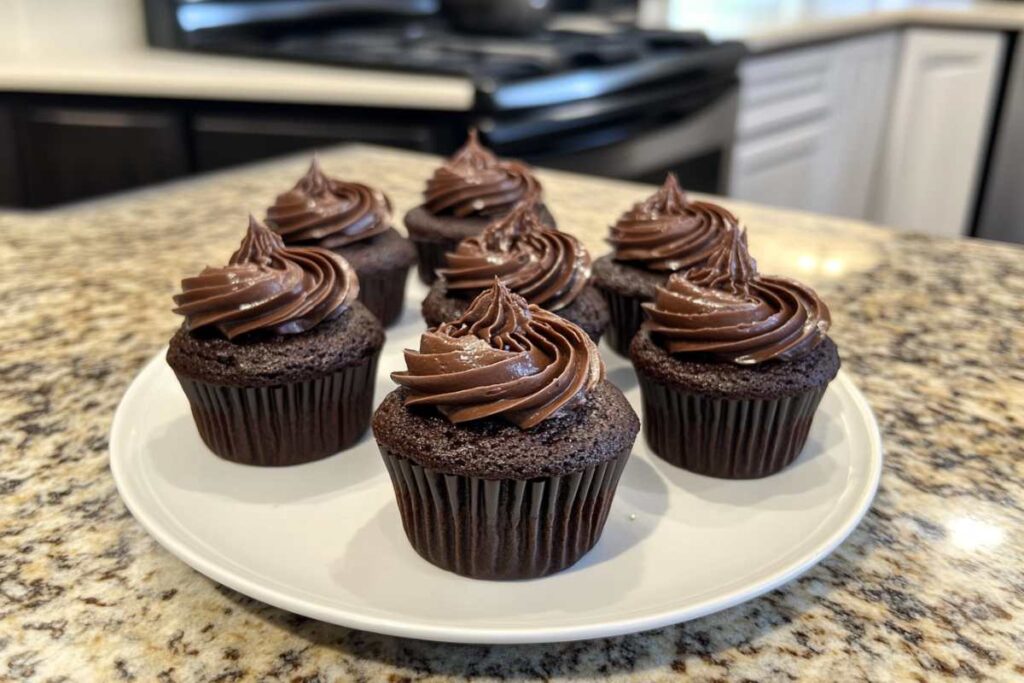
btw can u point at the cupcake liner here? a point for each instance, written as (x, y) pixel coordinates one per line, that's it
(726, 438)
(626, 317)
(507, 528)
(383, 292)
(430, 257)
(284, 424)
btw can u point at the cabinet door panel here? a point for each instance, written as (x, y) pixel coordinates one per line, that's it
(860, 85)
(228, 139)
(10, 172)
(779, 169)
(941, 120)
(71, 153)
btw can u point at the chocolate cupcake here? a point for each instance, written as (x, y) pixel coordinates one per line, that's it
(732, 366)
(354, 221)
(663, 234)
(504, 442)
(276, 356)
(468, 192)
(548, 268)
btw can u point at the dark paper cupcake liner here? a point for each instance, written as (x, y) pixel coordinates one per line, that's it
(384, 293)
(503, 529)
(726, 438)
(286, 424)
(626, 317)
(430, 257)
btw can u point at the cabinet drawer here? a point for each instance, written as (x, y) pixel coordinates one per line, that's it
(783, 91)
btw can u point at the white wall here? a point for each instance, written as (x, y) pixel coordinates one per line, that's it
(31, 27)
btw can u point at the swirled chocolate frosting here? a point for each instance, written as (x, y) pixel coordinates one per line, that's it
(503, 358)
(544, 266)
(268, 286)
(474, 182)
(667, 232)
(727, 310)
(329, 212)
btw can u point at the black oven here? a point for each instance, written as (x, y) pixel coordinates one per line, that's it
(616, 101)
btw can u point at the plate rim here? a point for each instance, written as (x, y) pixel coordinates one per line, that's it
(196, 560)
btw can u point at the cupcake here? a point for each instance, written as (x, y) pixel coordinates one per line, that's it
(276, 355)
(663, 234)
(464, 195)
(548, 268)
(354, 221)
(504, 441)
(732, 366)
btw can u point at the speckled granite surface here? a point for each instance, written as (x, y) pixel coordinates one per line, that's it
(930, 586)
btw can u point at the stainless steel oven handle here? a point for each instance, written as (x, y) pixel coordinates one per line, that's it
(712, 128)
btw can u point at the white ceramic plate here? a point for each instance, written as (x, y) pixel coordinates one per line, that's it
(325, 539)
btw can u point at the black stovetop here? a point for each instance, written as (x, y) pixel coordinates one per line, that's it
(431, 46)
(434, 48)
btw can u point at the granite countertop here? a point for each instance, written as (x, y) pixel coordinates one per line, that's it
(100, 48)
(151, 72)
(930, 586)
(67, 50)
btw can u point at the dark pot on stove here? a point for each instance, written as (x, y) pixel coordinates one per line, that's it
(508, 17)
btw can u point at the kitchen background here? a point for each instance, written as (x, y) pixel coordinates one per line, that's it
(909, 114)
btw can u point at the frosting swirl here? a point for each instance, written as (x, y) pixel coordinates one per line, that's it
(544, 266)
(729, 311)
(329, 212)
(667, 232)
(502, 358)
(268, 286)
(474, 182)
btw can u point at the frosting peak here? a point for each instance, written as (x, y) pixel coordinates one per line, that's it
(546, 267)
(503, 358)
(472, 156)
(669, 200)
(474, 183)
(729, 311)
(329, 212)
(667, 232)
(729, 266)
(268, 286)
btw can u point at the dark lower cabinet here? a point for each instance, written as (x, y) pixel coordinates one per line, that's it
(60, 148)
(226, 140)
(10, 174)
(68, 153)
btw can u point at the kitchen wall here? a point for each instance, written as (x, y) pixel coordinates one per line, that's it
(30, 27)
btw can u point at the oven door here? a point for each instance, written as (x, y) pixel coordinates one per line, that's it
(640, 137)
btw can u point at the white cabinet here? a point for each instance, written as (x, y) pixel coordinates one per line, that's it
(942, 114)
(811, 123)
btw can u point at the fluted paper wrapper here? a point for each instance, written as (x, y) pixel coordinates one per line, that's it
(726, 438)
(503, 529)
(285, 424)
(626, 317)
(430, 257)
(383, 293)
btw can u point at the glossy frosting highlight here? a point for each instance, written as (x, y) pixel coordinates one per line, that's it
(502, 358)
(267, 286)
(546, 267)
(329, 212)
(729, 311)
(476, 183)
(667, 232)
